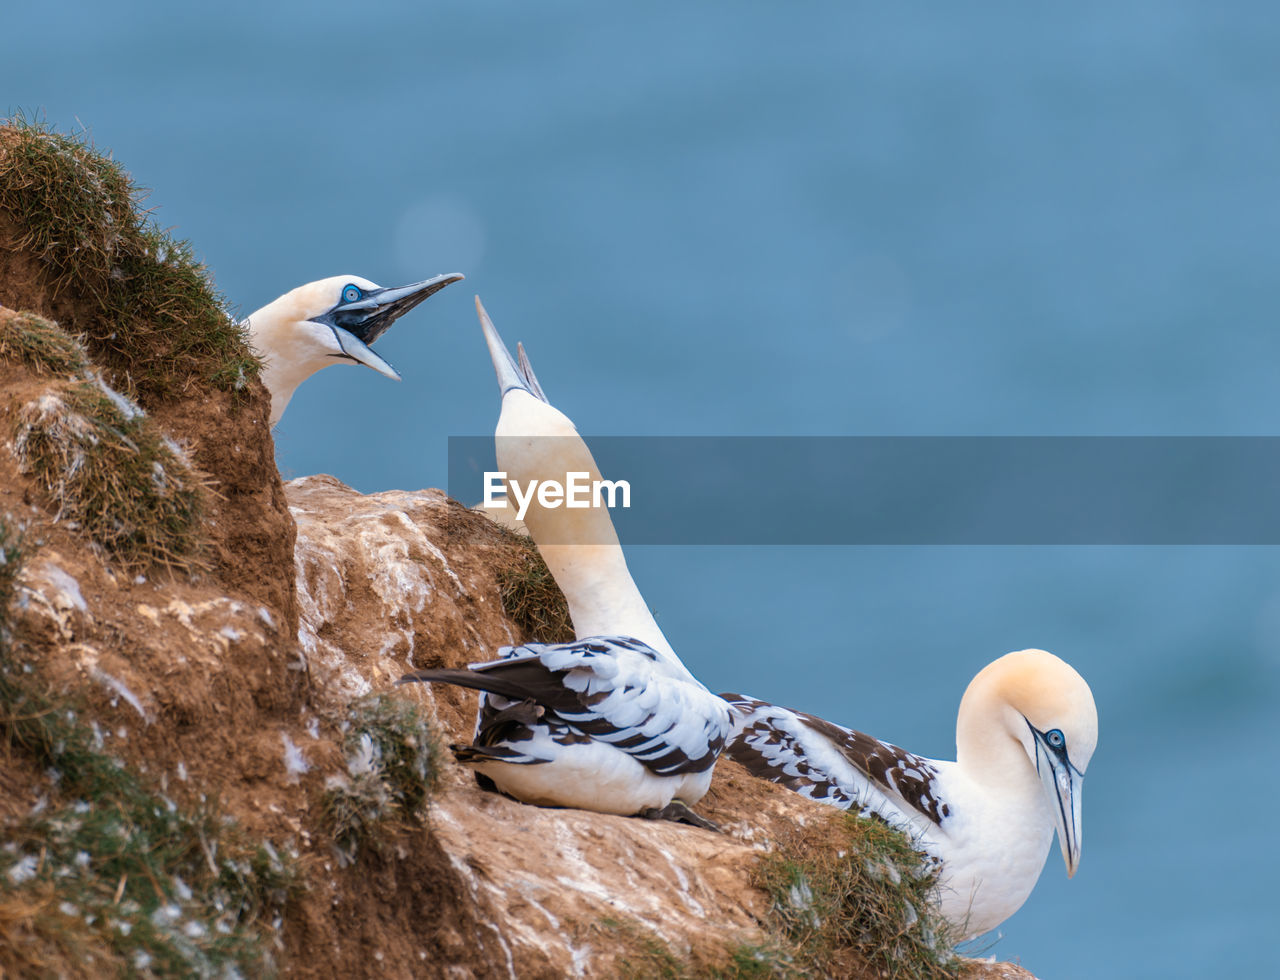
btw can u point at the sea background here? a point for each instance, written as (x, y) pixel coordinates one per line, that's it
(745, 218)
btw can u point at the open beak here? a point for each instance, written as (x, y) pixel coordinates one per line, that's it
(358, 350)
(357, 325)
(512, 375)
(1062, 783)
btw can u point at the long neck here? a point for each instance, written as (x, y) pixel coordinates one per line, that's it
(580, 546)
(987, 750)
(288, 356)
(603, 598)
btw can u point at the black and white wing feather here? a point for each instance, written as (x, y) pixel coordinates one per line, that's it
(609, 689)
(831, 764)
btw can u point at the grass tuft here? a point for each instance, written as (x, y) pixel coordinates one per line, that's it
(40, 344)
(530, 597)
(393, 765)
(113, 473)
(873, 895)
(108, 876)
(147, 308)
(643, 955)
(863, 907)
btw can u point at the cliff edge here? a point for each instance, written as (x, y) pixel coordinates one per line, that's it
(206, 767)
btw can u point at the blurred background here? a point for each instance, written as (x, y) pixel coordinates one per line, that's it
(745, 218)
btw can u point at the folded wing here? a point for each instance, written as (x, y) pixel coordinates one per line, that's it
(831, 764)
(615, 690)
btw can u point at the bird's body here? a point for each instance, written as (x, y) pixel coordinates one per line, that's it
(651, 732)
(330, 321)
(1026, 730)
(601, 724)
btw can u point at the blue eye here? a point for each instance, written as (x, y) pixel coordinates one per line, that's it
(351, 293)
(1055, 738)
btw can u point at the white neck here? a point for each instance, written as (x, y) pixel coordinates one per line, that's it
(580, 546)
(987, 749)
(289, 350)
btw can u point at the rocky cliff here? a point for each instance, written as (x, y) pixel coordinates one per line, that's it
(206, 767)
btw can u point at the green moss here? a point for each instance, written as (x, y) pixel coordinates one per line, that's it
(40, 344)
(643, 955)
(146, 307)
(530, 597)
(874, 896)
(108, 875)
(393, 765)
(861, 906)
(113, 473)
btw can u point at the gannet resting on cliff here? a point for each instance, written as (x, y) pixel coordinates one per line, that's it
(655, 734)
(1026, 730)
(603, 724)
(328, 322)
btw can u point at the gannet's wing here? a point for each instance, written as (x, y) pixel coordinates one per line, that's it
(831, 764)
(610, 689)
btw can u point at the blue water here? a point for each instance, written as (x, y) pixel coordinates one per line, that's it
(750, 218)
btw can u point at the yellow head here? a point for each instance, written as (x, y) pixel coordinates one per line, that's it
(1041, 703)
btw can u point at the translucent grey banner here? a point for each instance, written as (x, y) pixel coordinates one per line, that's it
(1085, 490)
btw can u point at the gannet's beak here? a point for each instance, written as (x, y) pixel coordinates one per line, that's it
(530, 378)
(512, 376)
(1063, 784)
(357, 325)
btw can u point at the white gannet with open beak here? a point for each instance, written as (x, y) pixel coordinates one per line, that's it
(331, 321)
(1026, 730)
(612, 722)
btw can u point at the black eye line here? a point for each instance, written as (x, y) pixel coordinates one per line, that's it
(1059, 750)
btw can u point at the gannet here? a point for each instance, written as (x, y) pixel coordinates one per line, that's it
(603, 723)
(613, 722)
(328, 322)
(536, 441)
(1026, 730)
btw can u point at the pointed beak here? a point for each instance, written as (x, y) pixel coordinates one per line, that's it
(369, 317)
(358, 350)
(1063, 784)
(512, 375)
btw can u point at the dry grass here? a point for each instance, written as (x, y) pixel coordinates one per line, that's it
(393, 765)
(861, 905)
(530, 597)
(114, 475)
(641, 954)
(147, 309)
(40, 344)
(871, 894)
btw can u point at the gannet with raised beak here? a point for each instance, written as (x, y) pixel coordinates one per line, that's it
(331, 321)
(1026, 730)
(536, 441)
(612, 722)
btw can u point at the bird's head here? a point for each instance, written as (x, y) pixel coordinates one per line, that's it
(527, 413)
(1048, 709)
(330, 321)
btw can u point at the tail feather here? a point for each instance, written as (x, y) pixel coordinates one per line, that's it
(466, 678)
(492, 753)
